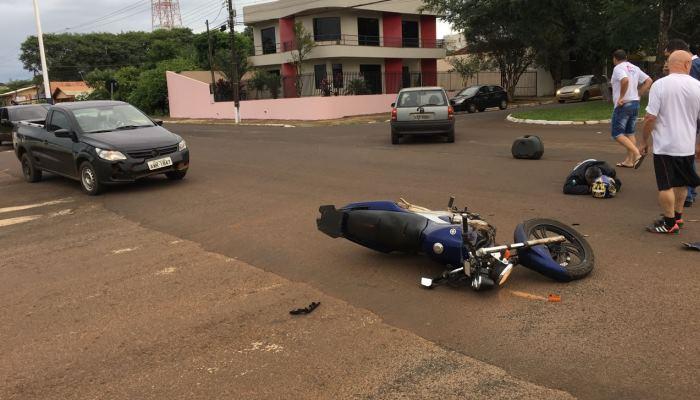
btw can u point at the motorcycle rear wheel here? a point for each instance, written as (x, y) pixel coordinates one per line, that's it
(575, 254)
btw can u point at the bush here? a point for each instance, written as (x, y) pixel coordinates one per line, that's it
(150, 93)
(356, 87)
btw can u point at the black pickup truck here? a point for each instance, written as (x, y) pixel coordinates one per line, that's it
(11, 115)
(99, 143)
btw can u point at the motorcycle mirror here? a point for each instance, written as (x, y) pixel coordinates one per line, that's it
(451, 202)
(426, 282)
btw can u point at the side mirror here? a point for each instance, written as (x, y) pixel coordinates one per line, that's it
(64, 133)
(158, 122)
(452, 102)
(393, 105)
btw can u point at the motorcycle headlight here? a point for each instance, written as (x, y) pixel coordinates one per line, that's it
(577, 91)
(110, 155)
(181, 146)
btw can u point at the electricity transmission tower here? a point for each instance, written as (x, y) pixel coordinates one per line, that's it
(165, 14)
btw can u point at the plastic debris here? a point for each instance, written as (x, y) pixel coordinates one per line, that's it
(553, 298)
(306, 310)
(692, 245)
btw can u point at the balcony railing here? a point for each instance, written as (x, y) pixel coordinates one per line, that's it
(354, 40)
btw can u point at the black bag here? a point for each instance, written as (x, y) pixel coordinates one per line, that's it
(528, 147)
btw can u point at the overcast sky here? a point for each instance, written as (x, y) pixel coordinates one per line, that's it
(80, 16)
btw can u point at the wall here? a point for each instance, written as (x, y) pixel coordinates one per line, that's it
(190, 98)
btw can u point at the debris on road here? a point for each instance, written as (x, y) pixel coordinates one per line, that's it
(692, 245)
(553, 298)
(306, 310)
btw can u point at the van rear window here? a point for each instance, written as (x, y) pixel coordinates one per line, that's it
(418, 98)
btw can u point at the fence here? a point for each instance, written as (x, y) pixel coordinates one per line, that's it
(360, 83)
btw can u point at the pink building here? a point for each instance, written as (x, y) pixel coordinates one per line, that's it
(383, 45)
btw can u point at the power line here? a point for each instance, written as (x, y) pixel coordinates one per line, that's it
(114, 13)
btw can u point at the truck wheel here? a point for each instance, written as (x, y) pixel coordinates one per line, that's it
(176, 175)
(503, 105)
(586, 96)
(88, 179)
(471, 108)
(29, 170)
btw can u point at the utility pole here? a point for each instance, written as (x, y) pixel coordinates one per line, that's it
(44, 69)
(234, 79)
(211, 63)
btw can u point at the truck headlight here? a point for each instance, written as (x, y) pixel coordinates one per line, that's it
(181, 146)
(110, 155)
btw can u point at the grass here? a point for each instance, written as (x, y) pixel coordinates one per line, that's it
(588, 111)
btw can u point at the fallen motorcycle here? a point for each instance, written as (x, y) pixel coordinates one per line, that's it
(462, 241)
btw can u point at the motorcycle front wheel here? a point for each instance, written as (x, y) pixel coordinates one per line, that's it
(574, 254)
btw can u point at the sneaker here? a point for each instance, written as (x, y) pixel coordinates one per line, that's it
(660, 227)
(680, 223)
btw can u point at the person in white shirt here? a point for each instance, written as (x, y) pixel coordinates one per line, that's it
(626, 79)
(672, 122)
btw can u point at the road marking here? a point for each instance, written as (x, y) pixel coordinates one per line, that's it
(30, 206)
(18, 220)
(61, 213)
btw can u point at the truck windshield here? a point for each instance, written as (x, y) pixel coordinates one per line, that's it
(110, 118)
(419, 98)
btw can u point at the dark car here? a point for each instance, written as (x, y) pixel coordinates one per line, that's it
(9, 116)
(98, 143)
(480, 97)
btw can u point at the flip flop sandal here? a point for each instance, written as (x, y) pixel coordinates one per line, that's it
(638, 163)
(621, 165)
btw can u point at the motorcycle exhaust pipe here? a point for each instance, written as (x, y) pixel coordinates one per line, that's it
(482, 282)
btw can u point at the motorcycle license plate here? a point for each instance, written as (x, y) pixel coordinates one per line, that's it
(421, 117)
(159, 163)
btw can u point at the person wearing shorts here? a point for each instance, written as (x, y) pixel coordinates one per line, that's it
(626, 79)
(672, 122)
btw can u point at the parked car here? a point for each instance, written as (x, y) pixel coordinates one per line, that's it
(582, 88)
(479, 98)
(9, 116)
(99, 143)
(422, 111)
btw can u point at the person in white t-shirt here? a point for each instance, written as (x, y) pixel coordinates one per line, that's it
(626, 79)
(672, 122)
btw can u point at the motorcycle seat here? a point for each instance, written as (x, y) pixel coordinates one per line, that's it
(385, 231)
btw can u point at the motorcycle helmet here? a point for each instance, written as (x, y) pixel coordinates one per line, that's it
(604, 188)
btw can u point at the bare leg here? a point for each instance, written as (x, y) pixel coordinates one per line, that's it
(667, 201)
(679, 193)
(632, 151)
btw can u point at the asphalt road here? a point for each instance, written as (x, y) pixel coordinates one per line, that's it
(629, 330)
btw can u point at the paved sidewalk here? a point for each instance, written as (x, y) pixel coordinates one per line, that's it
(95, 306)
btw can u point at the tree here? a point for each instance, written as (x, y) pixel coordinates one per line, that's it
(150, 93)
(221, 47)
(467, 65)
(496, 30)
(301, 47)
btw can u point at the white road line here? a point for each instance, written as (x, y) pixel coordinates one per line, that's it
(30, 206)
(127, 250)
(18, 220)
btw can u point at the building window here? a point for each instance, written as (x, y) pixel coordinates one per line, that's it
(409, 33)
(372, 74)
(337, 75)
(319, 74)
(368, 31)
(326, 29)
(269, 42)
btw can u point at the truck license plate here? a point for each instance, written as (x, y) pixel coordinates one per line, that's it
(160, 163)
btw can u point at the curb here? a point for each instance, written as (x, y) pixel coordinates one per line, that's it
(511, 118)
(204, 122)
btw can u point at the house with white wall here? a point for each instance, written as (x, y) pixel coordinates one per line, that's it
(387, 44)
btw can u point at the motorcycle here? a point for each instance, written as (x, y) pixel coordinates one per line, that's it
(462, 241)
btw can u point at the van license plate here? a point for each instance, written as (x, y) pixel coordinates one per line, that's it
(160, 163)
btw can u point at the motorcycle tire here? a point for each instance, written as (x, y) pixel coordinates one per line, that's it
(575, 245)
